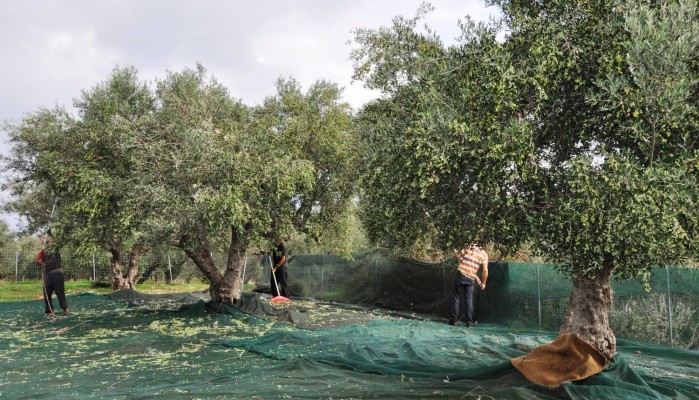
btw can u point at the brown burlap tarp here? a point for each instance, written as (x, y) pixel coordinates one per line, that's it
(568, 358)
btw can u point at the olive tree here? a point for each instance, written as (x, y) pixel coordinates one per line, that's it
(443, 151)
(103, 203)
(612, 93)
(575, 132)
(33, 166)
(220, 174)
(70, 172)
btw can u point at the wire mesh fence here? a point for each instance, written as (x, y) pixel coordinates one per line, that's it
(157, 267)
(519, 295)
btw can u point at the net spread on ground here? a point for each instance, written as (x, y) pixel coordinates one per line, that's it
(381, 344)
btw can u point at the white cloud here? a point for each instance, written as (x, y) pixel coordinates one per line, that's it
(50, 68)
(74, 56)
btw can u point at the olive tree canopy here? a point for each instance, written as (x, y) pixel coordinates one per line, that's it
(577, 133)
(219, 174)
(71, 172)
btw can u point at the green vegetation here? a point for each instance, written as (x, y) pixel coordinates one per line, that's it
(30, 290)
(187, 165)
(647, 318)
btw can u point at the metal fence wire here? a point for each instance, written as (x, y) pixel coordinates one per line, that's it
(518, 295)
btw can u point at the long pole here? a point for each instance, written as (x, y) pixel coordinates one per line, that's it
(274, 277)
(169, 267)
(16, 266)
(94, 268)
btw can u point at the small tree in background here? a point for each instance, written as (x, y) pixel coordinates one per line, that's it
(34, 168)
(5, 236)
(73, 174)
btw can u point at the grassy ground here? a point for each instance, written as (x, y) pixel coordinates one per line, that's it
(30, 290)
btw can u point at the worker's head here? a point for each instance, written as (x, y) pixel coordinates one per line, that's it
(45, 237)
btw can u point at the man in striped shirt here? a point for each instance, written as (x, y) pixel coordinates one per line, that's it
(470, 259)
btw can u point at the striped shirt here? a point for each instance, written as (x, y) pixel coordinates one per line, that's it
(470, 260)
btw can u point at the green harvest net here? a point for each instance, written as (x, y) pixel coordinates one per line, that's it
(519, 295)
(181, 347)
(372, 327)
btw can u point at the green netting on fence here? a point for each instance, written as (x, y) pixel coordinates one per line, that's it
(518, 295)
(181, 347)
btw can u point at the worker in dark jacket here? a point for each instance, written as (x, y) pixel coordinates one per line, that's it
(49, 260)
(279, 272)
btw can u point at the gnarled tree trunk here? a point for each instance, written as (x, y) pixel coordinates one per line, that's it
(134, 258)
(118, 281)
(232, 281)
(588, 313)
(225, 287)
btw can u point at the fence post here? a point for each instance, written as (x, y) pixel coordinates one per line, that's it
(669, 303)
(444, 284)
(169, 267)
(16, 266)
(94, 269)
(538, 293)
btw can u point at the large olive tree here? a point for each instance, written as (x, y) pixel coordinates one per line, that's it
(576, 132)
(222, 175)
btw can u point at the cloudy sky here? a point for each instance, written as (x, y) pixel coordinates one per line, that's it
(53, 49)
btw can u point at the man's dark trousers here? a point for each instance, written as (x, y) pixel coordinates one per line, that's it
(462, 283)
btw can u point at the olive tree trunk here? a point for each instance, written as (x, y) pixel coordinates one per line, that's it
(134, 259)
(224, 287)
(588, 313)
(118, 281)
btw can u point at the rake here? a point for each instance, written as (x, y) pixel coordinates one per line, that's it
(278, 299)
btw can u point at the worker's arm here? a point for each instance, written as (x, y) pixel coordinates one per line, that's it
(39, 260)
(485, 273)
(280, 263)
